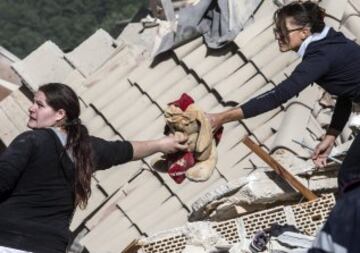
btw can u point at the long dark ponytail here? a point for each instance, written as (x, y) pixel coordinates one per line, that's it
(60, 96)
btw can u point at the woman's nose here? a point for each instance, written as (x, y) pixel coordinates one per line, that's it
(32, 108)
(277, 36)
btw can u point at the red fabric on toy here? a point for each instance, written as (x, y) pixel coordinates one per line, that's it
(218, 135)
(179, 166)
(183, 102)
(181, 162)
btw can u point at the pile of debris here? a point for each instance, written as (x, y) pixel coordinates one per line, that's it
(282, 228)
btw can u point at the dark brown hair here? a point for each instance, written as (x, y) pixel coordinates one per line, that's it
(60, 96)
(303, 14)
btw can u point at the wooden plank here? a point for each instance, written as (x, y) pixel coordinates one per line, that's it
(133, 247)
(279, 169)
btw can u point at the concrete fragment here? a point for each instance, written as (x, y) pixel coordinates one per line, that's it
(259, 190)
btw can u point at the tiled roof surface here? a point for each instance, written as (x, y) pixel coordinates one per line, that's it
(6, 73)
(9, 81)
(124, 95)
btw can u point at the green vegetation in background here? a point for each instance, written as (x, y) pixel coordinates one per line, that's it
(26, 24)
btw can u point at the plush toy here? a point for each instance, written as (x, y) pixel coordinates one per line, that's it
(183, 117)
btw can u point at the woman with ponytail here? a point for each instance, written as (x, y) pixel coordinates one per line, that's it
(333, 62)
(45, 173)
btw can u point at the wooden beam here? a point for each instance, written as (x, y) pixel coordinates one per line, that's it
(133, 247)
(279, 169)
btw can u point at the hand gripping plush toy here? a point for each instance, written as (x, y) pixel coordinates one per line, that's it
(183, 117)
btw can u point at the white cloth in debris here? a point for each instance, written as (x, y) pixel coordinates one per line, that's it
(11, 250)
(202, 238)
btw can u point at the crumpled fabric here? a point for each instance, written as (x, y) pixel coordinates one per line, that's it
(183, 117)
(202, 238)
(219, 22)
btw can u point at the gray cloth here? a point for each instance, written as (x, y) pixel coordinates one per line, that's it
(11, 250)
(218, 22)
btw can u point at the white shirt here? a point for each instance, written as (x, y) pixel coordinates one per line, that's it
(313, 37)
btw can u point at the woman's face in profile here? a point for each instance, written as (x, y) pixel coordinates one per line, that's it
(291, 36)
(43, 115)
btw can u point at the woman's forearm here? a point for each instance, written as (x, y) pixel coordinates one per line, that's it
(142, 149)
(218, 119)
(167, 144)
(233, 114)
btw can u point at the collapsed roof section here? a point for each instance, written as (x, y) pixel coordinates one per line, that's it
(234, 234)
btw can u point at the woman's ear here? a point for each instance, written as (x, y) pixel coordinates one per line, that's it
(305, 33)
(60, 114)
